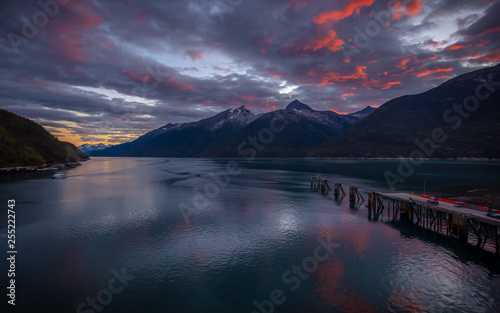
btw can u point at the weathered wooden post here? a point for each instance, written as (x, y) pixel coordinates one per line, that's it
(342, 189)
(328, 189)
(459, 227)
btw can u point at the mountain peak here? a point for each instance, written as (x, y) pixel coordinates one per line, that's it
(364, 113)
(298, 106)
(368, 109)
(240, 110)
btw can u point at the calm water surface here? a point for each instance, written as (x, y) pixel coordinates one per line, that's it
(255, 238)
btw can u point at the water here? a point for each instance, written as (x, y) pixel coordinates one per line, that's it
(255, 239)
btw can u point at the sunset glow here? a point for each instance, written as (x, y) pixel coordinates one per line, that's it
(111, 73)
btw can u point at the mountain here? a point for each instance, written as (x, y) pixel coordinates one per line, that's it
(230, 133)
(73, 153)
(298, 106)
(88, 148)
(459, 118)
(25, 143)
(363, 113)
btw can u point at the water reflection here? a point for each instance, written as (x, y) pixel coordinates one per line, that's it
(115, 213)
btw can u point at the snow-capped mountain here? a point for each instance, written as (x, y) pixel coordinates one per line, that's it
(363, 113)
(87, 148)
(222, 135)
(239, 116)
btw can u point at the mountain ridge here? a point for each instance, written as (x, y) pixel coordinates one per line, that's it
(399, 126)
(26, 143)
(216, 136)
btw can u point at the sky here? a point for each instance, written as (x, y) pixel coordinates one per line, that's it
(109, 71)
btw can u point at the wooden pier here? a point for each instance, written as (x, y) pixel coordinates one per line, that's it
(451, 219)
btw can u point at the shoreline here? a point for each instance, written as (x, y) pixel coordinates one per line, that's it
(307, 158)
(39, 168)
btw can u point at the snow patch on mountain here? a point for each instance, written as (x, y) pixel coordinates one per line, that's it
(87, 148)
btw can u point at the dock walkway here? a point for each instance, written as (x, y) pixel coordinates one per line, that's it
(445, 207)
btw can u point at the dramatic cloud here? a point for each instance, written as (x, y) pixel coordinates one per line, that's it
(102, 71)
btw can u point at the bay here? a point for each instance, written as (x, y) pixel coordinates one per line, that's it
(220, 235)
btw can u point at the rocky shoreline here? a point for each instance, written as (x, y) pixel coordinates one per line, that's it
(39, 168)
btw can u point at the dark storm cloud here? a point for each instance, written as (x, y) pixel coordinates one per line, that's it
(188, 60)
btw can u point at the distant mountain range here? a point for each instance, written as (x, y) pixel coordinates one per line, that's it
(25, 143)
(289, 132)
(88, 148)
(461, 117)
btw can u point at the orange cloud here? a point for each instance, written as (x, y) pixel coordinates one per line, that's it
(178, 84)
(483, 43)
(333, 17)
(438, 45)
(390, 84)
(458, 47)
(378, 84)
(430, 58)
(267, 105)
(172, 82)
(85, 15)
(68, 35)
(411, 8)
(341, 113)
(70, 44)
(490, 30)
(441, 76)
(494, 57)
(402, 64)
(327, 40)
(195, 55)
(263, 42)
(345, 95)
(135, 77)
(106, 42)
(474, 56)
(430, 71)
(274, 75)
(328, 77)
(415, 6)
